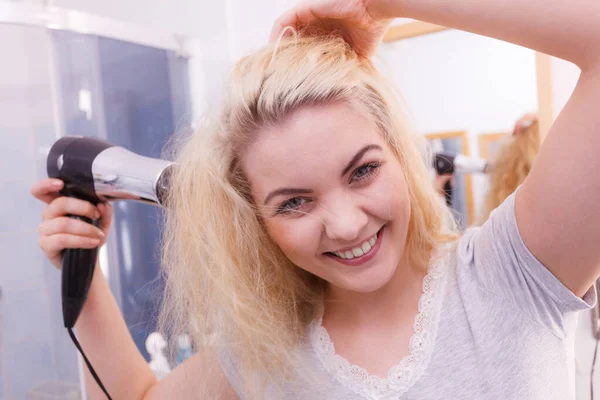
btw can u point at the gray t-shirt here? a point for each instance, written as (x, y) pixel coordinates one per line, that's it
(494, 323)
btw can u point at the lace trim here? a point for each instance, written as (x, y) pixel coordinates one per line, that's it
(404, 375)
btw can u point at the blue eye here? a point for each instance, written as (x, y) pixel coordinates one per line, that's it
(362, 171)
(290, 205)
(365, 171)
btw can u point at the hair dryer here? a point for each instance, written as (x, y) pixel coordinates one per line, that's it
(98, 171)
(445, 163)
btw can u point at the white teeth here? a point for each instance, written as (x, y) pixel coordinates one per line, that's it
(365, 247)
(358, 251)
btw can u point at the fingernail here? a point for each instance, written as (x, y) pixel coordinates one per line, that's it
(56, 183)
(97, 214)
(101, 233)
(94, 242)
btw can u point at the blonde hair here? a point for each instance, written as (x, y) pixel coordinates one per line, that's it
(224, 274)
(511, 166)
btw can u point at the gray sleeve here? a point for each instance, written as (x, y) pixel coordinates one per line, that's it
(497, 259)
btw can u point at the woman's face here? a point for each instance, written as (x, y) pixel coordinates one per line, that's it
(332, 195)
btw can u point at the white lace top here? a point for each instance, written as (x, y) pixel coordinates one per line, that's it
(403, 375)
(493, 323)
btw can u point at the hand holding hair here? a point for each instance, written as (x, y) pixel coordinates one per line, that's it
(360, 24)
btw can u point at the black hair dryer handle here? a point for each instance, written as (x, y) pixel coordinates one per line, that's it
(77, 272)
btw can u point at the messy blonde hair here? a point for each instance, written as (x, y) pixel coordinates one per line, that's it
(511, 166)
(225, 276)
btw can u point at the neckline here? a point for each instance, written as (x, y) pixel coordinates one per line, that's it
(407, 372)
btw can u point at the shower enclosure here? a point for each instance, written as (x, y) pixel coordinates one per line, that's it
(68, 73)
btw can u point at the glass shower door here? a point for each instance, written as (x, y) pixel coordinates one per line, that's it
(55, 83)
(139, 98)
(35, 353)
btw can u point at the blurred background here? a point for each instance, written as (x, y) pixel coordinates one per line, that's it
(135, 71)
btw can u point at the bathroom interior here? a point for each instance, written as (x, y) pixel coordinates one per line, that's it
(134, 72)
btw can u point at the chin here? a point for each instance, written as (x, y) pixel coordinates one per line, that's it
(372, 275)
(368, 281)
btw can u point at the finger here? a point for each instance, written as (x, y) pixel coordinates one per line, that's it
(530, 117)
(71, 226)
(446, 178)
(289, 18)
(70, 205)
(106, 215)
(47, 190)
(53, 245)
(517, 128)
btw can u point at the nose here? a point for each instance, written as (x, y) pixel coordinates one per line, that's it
(344, 221)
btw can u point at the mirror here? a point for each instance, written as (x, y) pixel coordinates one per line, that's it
(453, 81)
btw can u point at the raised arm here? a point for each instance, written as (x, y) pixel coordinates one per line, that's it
(101, 329)
(557, 207)
(568, 30)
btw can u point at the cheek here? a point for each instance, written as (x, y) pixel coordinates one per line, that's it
(401, 200)
(390, 197)
(401, 194)
(297, 238)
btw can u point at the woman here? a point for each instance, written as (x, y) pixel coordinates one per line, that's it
(513, 163)
(306, 218)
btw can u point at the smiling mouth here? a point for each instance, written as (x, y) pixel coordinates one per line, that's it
(358, 252)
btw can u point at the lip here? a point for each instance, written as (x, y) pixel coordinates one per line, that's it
(365, 257)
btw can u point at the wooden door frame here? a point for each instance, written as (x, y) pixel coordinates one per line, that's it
(485, 140)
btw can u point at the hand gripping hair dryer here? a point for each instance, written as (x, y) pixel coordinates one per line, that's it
(98, 171)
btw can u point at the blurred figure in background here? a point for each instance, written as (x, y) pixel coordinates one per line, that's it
(510, 166)
(441, 181)
(512, 163)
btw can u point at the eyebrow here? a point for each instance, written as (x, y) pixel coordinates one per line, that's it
(358, 156)
(351, 164)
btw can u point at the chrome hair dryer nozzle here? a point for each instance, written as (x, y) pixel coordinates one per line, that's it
(450, 163)
(97, 171)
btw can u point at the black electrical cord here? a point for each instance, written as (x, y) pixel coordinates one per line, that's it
(87, 362)
(593, 368)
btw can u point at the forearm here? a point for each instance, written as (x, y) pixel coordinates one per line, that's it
(108, 345)
(566, 29)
